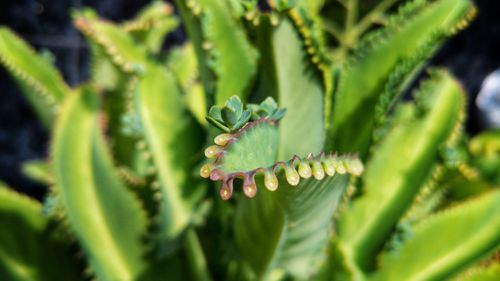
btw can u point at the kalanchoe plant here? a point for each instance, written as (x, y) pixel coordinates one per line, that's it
(352, 183)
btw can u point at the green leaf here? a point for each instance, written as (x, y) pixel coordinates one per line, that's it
(396, 172)
(152, 24)
(398, 81)
(29, 248)
(192, 24)
(481, 273)
(269, 105)
(38, 171)
(172, 140)
(288, 229)
(441, 247)
(290, 218)
(234, 58)
(485, 150)
(41, 83)
(115, 42)
(105, 216)
(230, 115)
(182, 62)
(111, 44)
(234, 103)
(284, 4)
(215, 113)
(255, 148)
(287, 75)
(361, 84)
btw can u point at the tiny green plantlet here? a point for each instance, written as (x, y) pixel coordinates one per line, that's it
(231, 117)
(315, 168)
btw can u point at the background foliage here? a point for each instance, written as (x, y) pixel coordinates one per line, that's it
(128, 143)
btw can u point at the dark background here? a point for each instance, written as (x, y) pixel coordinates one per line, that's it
(46, 24)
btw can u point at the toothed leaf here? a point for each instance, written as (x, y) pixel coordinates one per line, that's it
(396, 172)
(440, 247)
(106, 218)
(29, 247)
(231, 51)
(115, 42)
(397, 82)
(361, 84)
(41, 83)
(116, 62)
(292, 80)
(172, 137)
(291, 221)
(193, 26)
(288, 229)
(482, 273)
(182, 62)
(152, 24)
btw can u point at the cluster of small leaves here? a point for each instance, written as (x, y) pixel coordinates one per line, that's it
(231, 117)
(267, 109)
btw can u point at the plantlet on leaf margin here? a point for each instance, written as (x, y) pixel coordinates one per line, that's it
(252, 150)
(229, 118)
(268, 109)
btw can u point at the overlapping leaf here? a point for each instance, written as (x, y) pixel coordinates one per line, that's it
(397, 171)
(29, 247)
(362, 81)
(440, 247)
(104, 215)
(40, 81)
(287, 74)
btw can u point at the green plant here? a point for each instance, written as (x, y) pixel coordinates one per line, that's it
(126, 201)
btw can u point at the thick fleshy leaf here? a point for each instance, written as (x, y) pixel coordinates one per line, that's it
(288, 229)
(192, 23)
(171, 140)
(38, 170)
(362, 81)
(481, 273)
(182, 63)
(29, 246)
(41, 83)
(287, 74)
(402, 163)
(116, 61)
(114, 41)
(234, 58)
(152, 24)
(440, 247)
(286, 226)
(106, 218)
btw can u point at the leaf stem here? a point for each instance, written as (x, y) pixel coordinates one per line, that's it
(333, 29)
(372, 17)
(351, 16)
(195, 256)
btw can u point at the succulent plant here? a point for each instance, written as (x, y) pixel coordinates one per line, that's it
(318, 169)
